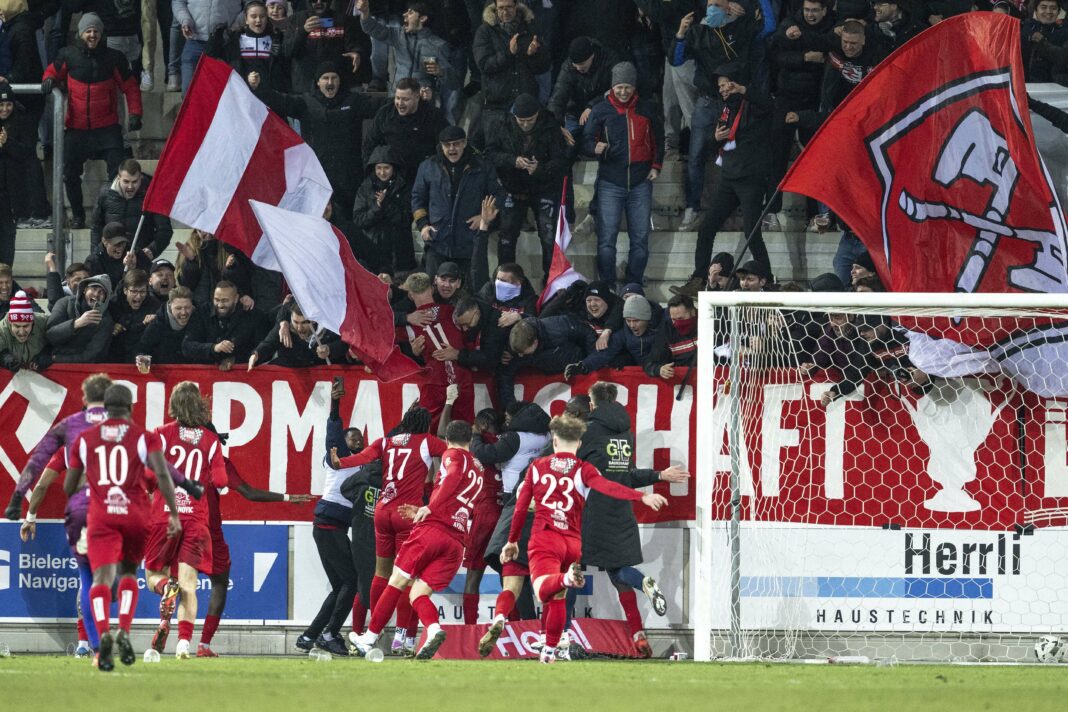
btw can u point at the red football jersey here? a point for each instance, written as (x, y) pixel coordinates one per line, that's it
(114, 456)
(406, 460)
(559, 484)
(460, 480)
(439, 333)
(197, 453)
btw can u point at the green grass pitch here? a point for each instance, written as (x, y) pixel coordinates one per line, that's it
(268, 684)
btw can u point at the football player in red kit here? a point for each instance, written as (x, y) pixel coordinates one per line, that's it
(194, 449)
(558, 484)
(406, 460)
(432, 554)
(433, 341)
(113, 456)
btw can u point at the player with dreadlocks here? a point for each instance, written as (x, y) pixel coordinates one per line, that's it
(406, 457)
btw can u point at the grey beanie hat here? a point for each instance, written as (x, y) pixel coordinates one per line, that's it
(624, 73)
(90, 19)
(637, 308)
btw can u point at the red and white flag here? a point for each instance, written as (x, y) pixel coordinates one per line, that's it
(332, 288)
(227, 148)
(561, 274)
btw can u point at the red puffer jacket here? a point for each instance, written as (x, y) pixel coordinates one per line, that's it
(94, 78)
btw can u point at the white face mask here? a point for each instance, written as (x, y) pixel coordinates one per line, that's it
(506, 291)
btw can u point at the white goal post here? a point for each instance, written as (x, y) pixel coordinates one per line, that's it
(905, 497)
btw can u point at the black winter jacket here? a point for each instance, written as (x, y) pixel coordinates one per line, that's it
(385, 225)
(26, 67)
(203, 334)
(751, 155)
(20, 148)
(412, 138)
(484, 344)
(544, 143)
(800, 80)
(163, 342)
(111, 206)
(308, 50)
(562, 340)
(125, 344)
(575, 92)
(671, 347)
(332, 127)
(712, 48)
(610, 536)
(301, 354)
(100, 262)
(249, 52)
(505, 75)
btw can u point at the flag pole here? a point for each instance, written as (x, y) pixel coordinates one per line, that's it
(749, 237)
(133, 245)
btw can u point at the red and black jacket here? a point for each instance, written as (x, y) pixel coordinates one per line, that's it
(671, 347)
(94, 79)
(634, 133)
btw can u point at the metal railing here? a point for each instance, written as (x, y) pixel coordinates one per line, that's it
(57, 243)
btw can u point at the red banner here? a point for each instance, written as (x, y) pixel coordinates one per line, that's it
(603, 637)
(971, 455)
(276, 420)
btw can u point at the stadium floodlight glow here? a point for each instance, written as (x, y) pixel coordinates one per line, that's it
(880, 475)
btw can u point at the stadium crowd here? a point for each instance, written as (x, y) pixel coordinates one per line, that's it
(381, 90)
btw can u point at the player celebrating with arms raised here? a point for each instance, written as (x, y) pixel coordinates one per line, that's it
(113, 456)
(434, 550)
(559, 484)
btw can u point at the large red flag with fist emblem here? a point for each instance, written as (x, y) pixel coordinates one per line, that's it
(932, 162)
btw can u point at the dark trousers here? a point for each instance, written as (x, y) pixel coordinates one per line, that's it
(81, 146)
(7, 229)
(747, 192)
(363, 560)
(782, 140)
(336, 556)
(512, 216)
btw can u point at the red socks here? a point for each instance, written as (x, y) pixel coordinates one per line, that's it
(555, 618)
(359, 615)
(427, 611)
(383, 609)
(211, 624)
(100, 600)
(378, 585)
(629, 600)
(470, 608)
(185, 630)
(82, 635)
(505, 604)
(413, 620)
(550, 586)
(404, 611)
(127, 602)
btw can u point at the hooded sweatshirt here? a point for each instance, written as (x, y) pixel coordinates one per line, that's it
(90, 343)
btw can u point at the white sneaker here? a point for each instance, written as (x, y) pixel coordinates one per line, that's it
(147, 82)
(656, 596)
(435, 636)
(363, 642)
(574, 578)
(174, 83)
(690, 219)
(563, 648)
(547, 655)
(182, 651)
(586, 226)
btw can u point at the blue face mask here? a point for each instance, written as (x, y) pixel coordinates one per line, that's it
(715, 16)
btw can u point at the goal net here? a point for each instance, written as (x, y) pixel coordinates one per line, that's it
(881, 475)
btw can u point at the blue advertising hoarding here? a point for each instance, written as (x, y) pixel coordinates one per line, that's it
(39, 578)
